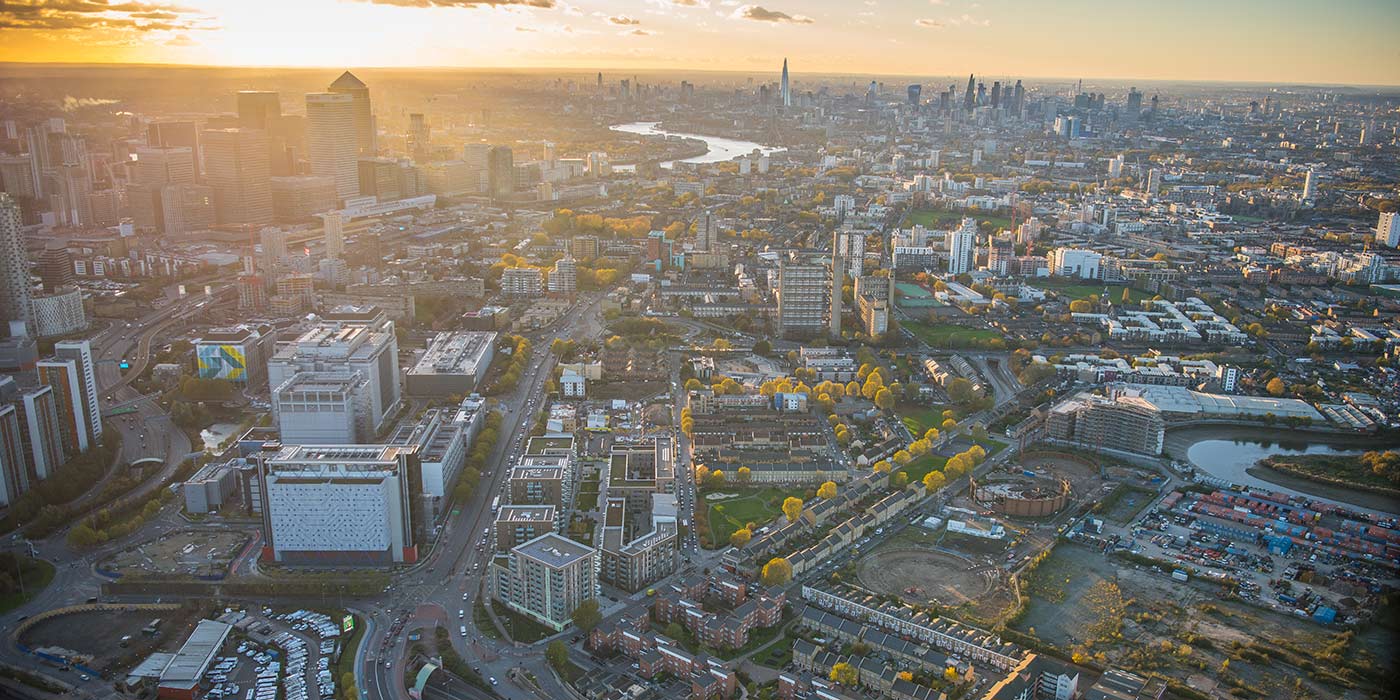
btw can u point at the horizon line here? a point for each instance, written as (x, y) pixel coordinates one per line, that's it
(595, 69)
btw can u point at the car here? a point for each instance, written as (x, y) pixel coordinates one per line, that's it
(461, 614)
(493, 680)
(85, 677)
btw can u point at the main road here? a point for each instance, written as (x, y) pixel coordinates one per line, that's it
(443, 588)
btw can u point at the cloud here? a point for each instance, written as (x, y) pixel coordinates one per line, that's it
(181, 40)
(546, 4)
(935, 2)
(623, 20)
(970, 21)
(928, 23)
(637, 32)
(681, 3)
(525, 29)
(82, 15)
(761, 14)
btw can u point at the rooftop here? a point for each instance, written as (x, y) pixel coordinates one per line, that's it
(553, 549)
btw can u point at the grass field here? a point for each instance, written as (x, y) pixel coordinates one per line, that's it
(929, 218)
(519, 627)
(775, 655)
(920, 418)
(949, 335)
(751, 506)
(1084, 291)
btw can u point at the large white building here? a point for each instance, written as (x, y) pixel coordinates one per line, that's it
(546, 578)
(340, 504)
(59, 313)
(962, 247)
(1388, 229)
(331, 143)
(322, 408)
(349, 340)
(443, 437)
(1076, 262)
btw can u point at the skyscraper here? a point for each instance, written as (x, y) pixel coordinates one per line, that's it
(500, 172)
(970, 96)
(962, 247)
(1134, 107)
(335, 234)
(236, 167)
(706, 232)
(915, 93)
(258, 109)
(348, 84)
(786, 88)
(179, 134)
(331, 140)
(14, 270)
(838, 269)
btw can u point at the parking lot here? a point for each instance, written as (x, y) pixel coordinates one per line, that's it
(290, 652)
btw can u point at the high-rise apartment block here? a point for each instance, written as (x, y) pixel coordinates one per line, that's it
(802, 299)
(546, 578)
(962, 247)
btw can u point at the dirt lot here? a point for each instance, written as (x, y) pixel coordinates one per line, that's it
(187, 552)
(924, 576)
(959, 574)
(97, 635)
(1109, 610)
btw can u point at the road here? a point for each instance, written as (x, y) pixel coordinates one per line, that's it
(450, 577)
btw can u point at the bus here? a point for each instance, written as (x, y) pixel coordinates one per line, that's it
(495, 504)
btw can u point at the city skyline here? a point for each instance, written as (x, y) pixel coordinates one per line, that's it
(1249, 41)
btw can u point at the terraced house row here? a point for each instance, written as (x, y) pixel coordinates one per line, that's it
(958, 640)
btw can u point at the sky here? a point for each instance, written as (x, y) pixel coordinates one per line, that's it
(1279, 41)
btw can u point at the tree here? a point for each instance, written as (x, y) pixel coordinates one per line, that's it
(348, 689)
(743, 474)
(827, 490)
(1276, 387)
(693, 384)
(740, 537)
(960, 390)
(792, 508)
(949, 425)
(950, 674)
(586, 615)
(852, 388)
(902, 457)
(702, 473)
(882, 466)
(905, 675)
(931, 435)
(935, 480)
(715, 479)
(1080, 306)
(845, 674)
(557, 655)
(884, 399)
(901, 480)
(762, 347)
(776, 572)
